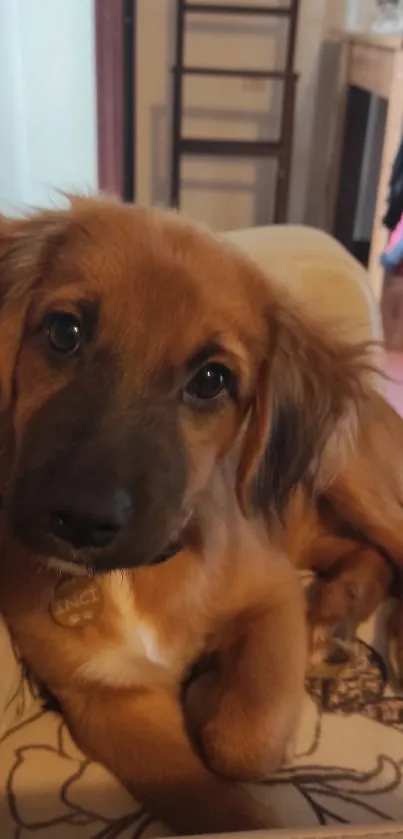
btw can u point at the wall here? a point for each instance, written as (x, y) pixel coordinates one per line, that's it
(47, 103)
(47, 100)
(12, 134)
(228, 194)
(360, 13)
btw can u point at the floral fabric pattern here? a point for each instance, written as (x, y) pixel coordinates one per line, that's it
(348, 765)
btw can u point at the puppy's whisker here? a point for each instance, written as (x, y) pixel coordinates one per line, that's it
(65, 566)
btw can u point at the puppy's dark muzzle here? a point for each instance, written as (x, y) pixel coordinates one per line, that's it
(81, 528)
(100, 486)
(95, 542)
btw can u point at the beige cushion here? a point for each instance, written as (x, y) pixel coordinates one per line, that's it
(330, 282)
(350, 746)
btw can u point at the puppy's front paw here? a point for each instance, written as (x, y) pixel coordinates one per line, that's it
(240, 748)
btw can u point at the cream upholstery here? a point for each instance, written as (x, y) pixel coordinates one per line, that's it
(350, 749)
(319, 270)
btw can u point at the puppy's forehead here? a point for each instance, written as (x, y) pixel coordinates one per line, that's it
(162, 285)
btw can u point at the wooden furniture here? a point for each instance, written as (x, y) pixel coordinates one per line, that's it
(369, 64)
(280, 148)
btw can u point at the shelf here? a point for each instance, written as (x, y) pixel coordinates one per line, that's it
(241, 73)
(237, 148)
(279, 149)
(221, 9)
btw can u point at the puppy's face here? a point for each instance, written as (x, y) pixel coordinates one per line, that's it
(133, 350)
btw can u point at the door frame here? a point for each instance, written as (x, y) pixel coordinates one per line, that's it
(115, 32)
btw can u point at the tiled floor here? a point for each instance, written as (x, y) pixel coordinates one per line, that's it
(394, 369)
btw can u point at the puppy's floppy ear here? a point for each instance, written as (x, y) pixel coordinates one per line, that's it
(26, 246)
(310, 390)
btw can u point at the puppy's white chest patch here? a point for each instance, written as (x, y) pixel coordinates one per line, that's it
(138, 657)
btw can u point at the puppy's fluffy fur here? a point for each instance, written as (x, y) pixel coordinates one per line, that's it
(194, 415)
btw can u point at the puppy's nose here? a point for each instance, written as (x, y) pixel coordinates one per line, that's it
(82, 529)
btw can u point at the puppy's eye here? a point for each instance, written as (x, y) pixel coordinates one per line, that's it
(64, 332)
(210, 382)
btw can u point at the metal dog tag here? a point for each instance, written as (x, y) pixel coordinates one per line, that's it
(77, 602)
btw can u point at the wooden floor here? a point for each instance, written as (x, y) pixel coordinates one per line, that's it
(394, 369)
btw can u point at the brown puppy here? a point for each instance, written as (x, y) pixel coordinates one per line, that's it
(161, 398)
